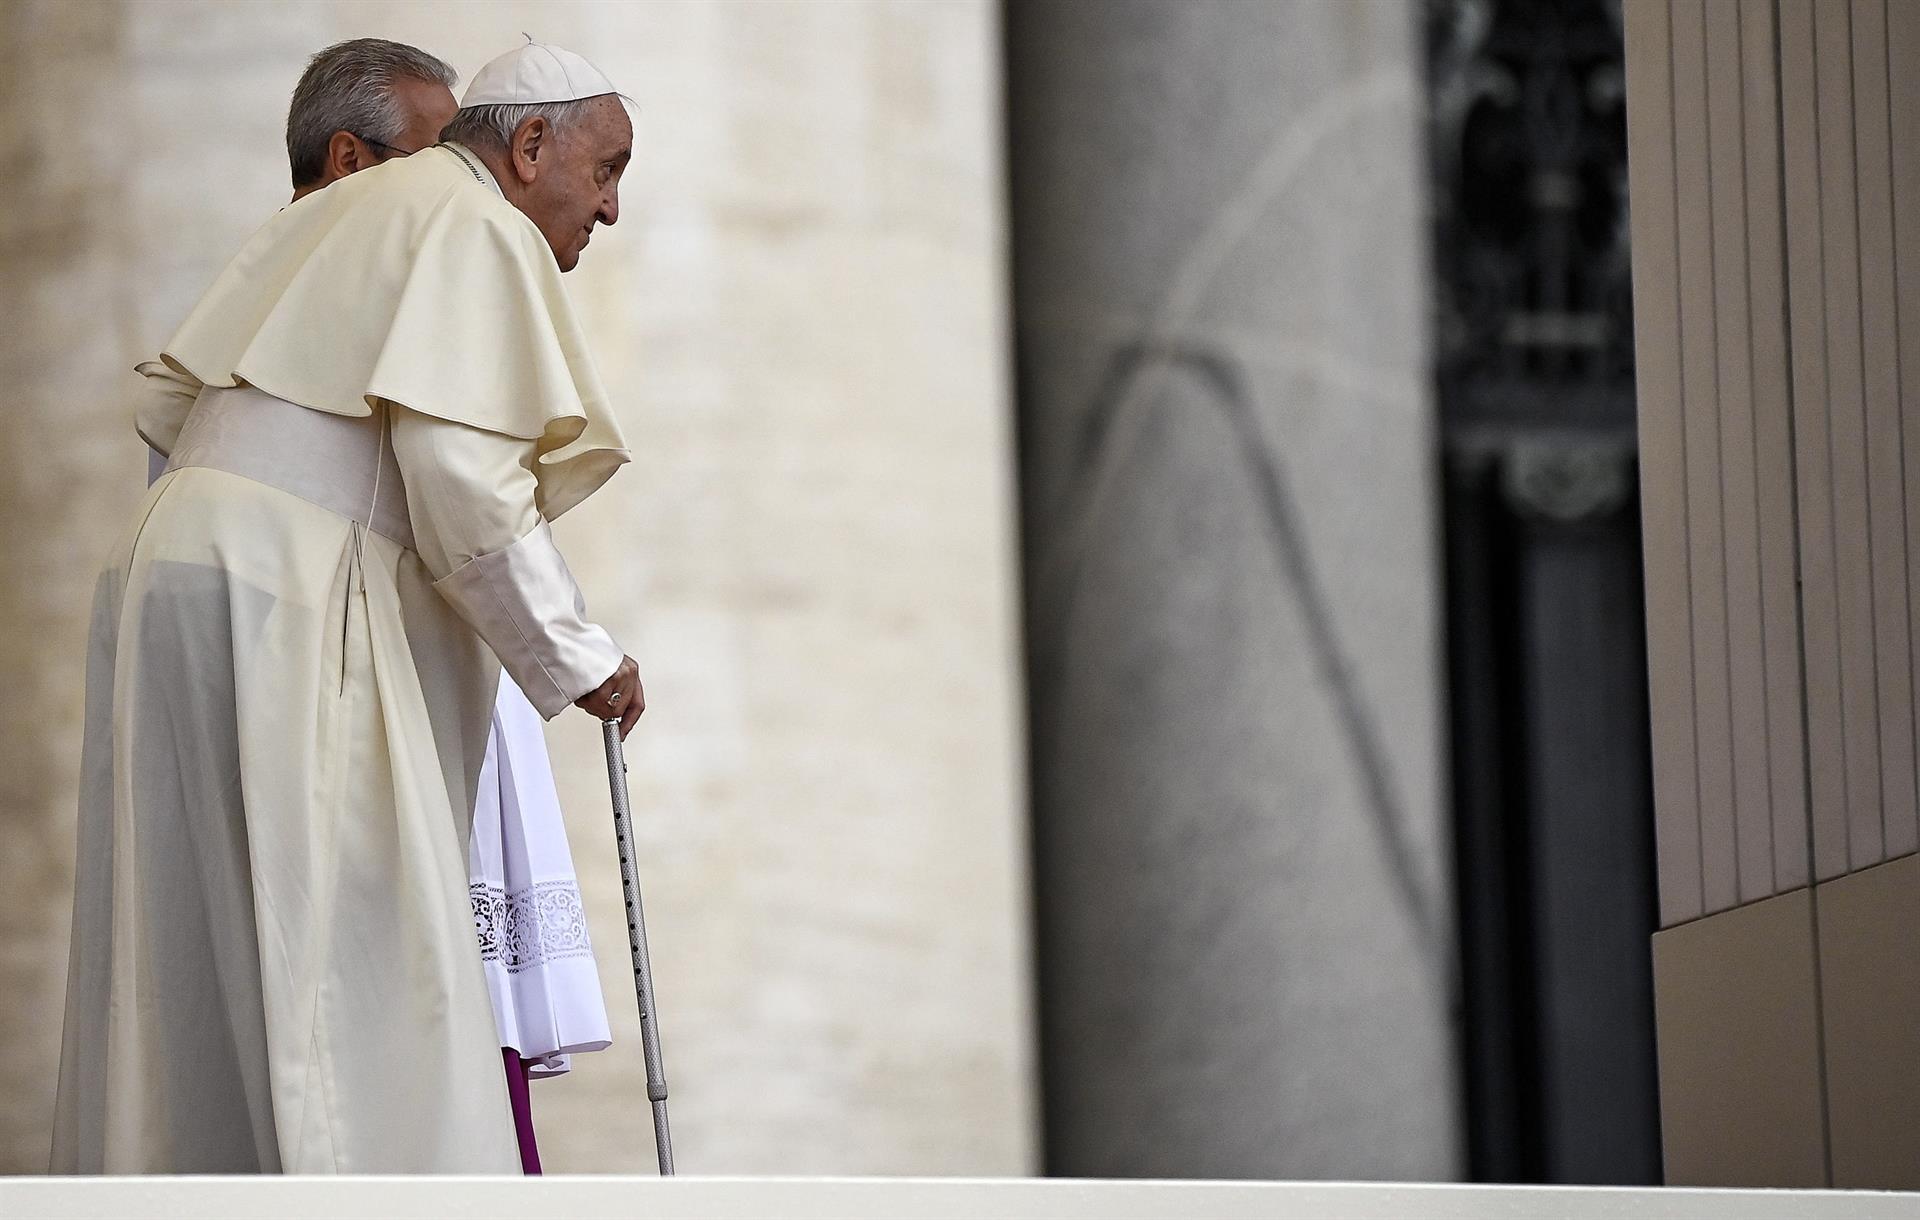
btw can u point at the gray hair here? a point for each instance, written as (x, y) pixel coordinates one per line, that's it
(492, 126)
(349, 87)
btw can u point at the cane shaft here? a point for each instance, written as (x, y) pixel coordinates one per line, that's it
(637, 943)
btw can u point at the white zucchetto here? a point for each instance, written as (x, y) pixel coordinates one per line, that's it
(534, 73)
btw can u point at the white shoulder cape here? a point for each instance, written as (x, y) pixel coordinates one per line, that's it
(415, 283)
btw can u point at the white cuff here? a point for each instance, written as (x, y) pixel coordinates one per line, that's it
(525, 604)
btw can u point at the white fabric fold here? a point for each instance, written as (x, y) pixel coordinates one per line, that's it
(273, 963)
(165, 400)
(527, 910)
(524, 603)
(340, 463)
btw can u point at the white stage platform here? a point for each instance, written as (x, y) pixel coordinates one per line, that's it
(591, 1198)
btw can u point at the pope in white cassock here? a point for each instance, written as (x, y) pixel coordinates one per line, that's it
(386, 399)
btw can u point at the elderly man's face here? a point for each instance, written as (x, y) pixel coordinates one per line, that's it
(573, 178)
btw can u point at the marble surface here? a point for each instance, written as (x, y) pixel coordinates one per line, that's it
(802, 317)
(895, 1199)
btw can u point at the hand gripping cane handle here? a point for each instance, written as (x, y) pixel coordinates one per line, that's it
(637, 941)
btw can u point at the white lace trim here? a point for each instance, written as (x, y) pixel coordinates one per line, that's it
(531, 926)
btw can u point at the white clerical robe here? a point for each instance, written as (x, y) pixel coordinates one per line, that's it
(273, 962)
(528, 916)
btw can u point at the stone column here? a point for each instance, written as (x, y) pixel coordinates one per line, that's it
(1227, 437)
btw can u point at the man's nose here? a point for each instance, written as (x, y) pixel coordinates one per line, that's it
(609, 212)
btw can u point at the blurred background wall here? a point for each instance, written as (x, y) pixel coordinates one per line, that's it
(802, 320)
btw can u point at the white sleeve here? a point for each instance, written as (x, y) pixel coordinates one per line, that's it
(470, 495)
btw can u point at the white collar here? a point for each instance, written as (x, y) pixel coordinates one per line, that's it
(472, 161)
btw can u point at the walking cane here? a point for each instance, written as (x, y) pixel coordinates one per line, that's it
(637, 940)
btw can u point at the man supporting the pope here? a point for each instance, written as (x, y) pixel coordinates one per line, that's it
(386, 399)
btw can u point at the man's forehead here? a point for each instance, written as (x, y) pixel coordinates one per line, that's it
(611, 110)
(609, 127)
(425, 97)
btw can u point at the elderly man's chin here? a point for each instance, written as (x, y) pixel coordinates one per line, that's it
(570, 258)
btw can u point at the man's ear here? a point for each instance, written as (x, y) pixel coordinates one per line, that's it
(530, 140)
(346, 155)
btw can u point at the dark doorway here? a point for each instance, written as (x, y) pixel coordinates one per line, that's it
(1547, 664)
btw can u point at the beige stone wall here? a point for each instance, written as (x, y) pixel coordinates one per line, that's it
(801, 315)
